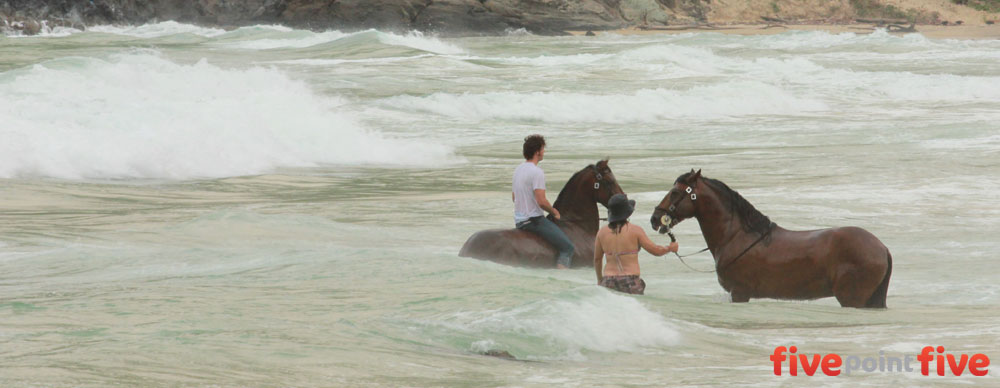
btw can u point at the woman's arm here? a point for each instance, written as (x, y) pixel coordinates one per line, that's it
(598, 258)
(649, 246)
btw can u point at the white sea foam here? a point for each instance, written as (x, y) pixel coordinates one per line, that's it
(936, 87)
(805, 40)
(738, 98)
(270, 36)
(141, 116)
(518, 32)
(693, 58)
(484, 346)
(307, 39)
(334, 62)
(156, 30)
(419, 41)
(590, 321)
(288, 38)
(551, 60)
(667, 59)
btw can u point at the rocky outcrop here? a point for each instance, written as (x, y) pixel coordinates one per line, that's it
(450, 17)
(447, 17)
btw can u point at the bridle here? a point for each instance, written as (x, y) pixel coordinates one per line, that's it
(668, 217)
(598, 179)
(599, 182)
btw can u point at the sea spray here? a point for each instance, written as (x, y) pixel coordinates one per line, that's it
(583, 319)
(139, 115)
(739, 98)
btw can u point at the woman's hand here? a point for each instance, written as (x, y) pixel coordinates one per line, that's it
(672, 247)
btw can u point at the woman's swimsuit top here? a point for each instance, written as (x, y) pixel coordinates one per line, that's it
(618, 258)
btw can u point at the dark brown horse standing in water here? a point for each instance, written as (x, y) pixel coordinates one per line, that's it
(577, 205)
(755, 258)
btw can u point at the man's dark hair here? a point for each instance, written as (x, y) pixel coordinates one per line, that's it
(532, 144)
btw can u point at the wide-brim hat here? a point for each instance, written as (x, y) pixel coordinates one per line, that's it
(620, 208)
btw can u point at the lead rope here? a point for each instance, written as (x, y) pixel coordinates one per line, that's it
(681, 258)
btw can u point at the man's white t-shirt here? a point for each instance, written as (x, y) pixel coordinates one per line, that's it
(527, 178)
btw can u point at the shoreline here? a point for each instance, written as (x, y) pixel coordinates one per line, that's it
(927, 30)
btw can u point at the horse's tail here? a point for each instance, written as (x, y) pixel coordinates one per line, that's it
(877, 300)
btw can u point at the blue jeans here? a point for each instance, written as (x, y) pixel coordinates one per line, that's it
(551, 233)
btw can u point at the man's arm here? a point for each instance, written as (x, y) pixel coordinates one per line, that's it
(544, 203)
(598, 259)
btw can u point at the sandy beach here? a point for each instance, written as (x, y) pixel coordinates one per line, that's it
(930, 31)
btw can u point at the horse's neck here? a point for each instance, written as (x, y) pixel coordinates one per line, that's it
(718, 225)
(579, 209)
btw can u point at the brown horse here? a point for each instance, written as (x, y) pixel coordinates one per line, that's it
(755, 258)
(577, 205)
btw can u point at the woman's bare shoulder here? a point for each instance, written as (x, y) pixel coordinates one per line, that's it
(636, 229)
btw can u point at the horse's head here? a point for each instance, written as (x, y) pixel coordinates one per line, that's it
(678, 204)
(604, 182)
(589, 186)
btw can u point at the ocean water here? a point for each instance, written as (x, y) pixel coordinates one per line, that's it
(268, 207)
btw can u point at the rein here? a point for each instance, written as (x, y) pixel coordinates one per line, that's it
(681, 257)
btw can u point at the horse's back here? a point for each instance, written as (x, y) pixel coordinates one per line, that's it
(509, 246)
(859, 237)
(852, 244)
(848, 240)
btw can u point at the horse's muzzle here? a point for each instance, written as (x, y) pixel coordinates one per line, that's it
(663, 223)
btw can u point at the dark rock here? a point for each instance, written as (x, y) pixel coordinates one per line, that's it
(499, 354)
(591, 33)
(32, 27)
(460, 16)
(448, 17)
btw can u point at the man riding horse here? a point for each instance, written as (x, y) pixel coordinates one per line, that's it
(528, 194)
(566, 237)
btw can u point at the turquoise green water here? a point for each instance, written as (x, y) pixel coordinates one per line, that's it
(267, 207)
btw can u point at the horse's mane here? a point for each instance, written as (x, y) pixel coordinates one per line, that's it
(563, 194)
(753, 219)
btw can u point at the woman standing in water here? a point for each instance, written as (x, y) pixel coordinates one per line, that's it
(621, 241)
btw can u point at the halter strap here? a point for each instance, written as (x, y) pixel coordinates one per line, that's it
(761, 238)
(599, 179)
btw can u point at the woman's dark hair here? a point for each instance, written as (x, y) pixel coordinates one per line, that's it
(532, 144)
(616, 227)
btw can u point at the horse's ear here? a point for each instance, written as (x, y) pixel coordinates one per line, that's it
(693, 177)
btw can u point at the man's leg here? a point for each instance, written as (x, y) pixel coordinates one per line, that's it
(555, 236)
